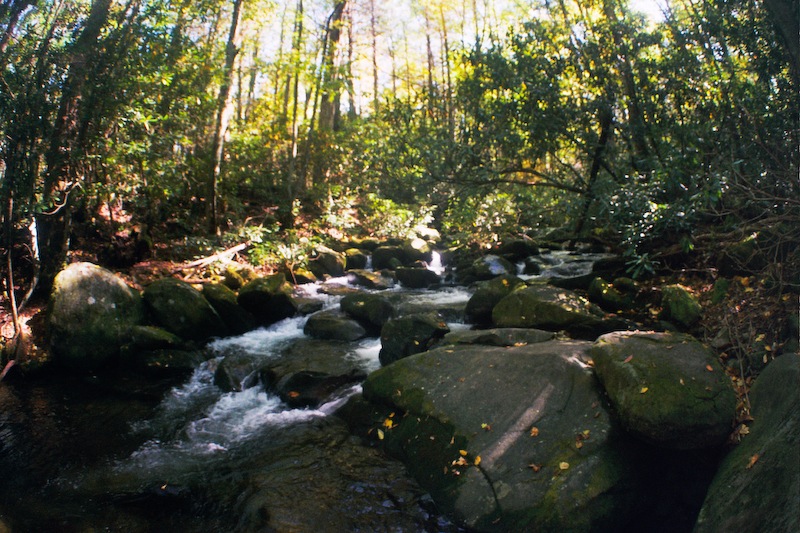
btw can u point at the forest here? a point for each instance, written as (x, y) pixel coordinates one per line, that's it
(158, 125)
(166, 139)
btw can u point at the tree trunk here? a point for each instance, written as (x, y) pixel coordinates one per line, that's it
(785, 15)
(606, 117)
(223, 116)
(331, 92)
(65, 148)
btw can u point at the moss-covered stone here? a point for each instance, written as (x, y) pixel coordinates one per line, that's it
(472, 422)
(543, 307)
(224, 302)
(607, 296)
(90, 316)
(407, 335)
(680, 306)
(372, 310)
(487, 295)
(269, 299)
(757, 487)
(667, 388)
(181, 309)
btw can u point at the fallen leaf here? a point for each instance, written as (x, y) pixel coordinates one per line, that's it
(563, 465)
(477, 460)
(753, 460)
(293, 394)
(628, 359)
(682, 383)
(644, 389)
(388, 423)
(535, 467)
(534, 431)
(579, 444)
(380, 434)
(709, 368)
(586, 433)
(486, 427)
(463, 453)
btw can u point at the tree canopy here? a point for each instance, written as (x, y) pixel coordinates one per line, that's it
(257, 118)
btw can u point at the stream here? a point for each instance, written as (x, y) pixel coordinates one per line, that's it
(130, 453)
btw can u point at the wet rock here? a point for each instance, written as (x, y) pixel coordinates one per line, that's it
(544, 307)
(371, 310)
(371, 280)
(327, 262)
(308, 388)
(498, 337)
(667, 388)
(334, 326)
(355, 259)
(508, 439)
(416, 278)
(170, 363)
(180, 308)
(147, 339)
(491, 266)
(268, 299)
(411, 334)
(90, 315)
(416, 250)
(517, 249)
(237, 372)
(223, 300)
(387, 257)
(488, 294)
(680, 306)
(757, 487)
(301, 276)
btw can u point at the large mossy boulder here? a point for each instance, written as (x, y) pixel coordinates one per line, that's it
(371, 310)
(517, 249)
(498, 336)
(223, 300)
(269, 299)
(487, 295)
(355, 259)
(544, 307)
(667, 388)
(181, 309)
(490, 266)
(370, 279)
(416, 277)
(507, 438)
(388, 257)
(411, 334)
(90, 316)
(327, 262)
(417, 249)
(757, 487)
(333, 326)
(680, 306)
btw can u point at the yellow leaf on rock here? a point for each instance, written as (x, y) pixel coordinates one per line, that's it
(563, 465)
(534, 431)
(644, 389)
(477, 460)
(380, 434)
(463, 452)
(753, 460)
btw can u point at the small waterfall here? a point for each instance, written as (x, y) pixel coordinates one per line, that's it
(436, 263)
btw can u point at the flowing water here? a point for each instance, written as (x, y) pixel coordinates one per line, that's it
(130, 454)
